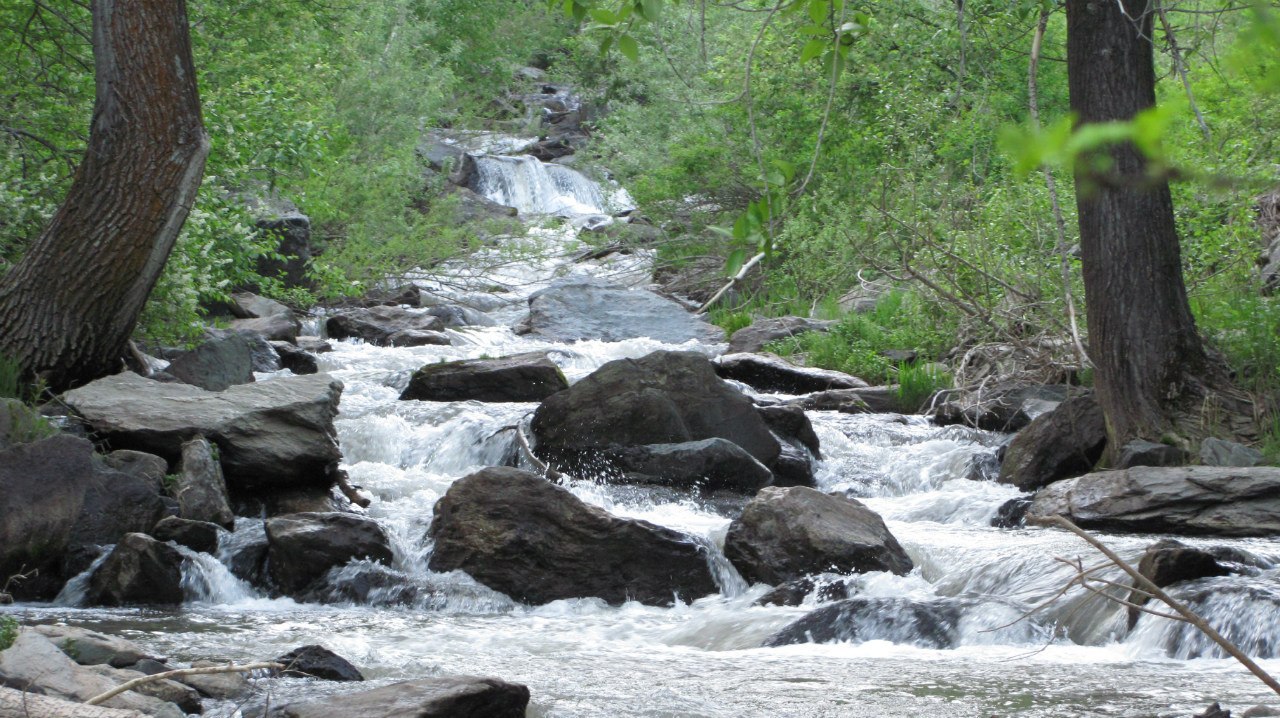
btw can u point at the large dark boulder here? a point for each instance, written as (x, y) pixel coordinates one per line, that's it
(292, 232)
(1059, 444)
(124, 497)
(753, 338)
(523, 377)
(707, 465)
(200, 488)
(139, 571)
(199, 536)
(296, 359)
(436, 697)
(1188, 500)
(1167, 562)
(270, 435)
(929, 624)
(275, 327)
(594, 309)
(1003, 406)
(663, 398)
(388, 326)
(318, 662)
(788, 533)
(766, 372)
(537, 542)
(301, 548)
(216, 364)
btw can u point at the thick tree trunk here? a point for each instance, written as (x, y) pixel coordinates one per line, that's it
(1150, 363)
(68, 308)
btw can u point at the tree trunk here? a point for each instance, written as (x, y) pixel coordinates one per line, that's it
(68, 308)
(1150, 363)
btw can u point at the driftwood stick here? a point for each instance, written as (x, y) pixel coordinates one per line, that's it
(541, 465)
(742, 273)
(178, 673)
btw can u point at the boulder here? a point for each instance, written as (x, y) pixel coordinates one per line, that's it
(870, 400)
(303, 547)
(1219, 452)
(124, 498)
(523, 377)
(139, 571)
(435, 697)
(183, 696)
(296, 359)
(200, 488)
(1012, 514)
(315, 345)
(218, 363)
(33, 664)
(456, 317)
(218, 686)
(708, 465)
(794, 593)
(594, 309)
(90, 648)
(663, 398)
(1189, 500)
(769, 373)
(318, 662)
(536, 542)
(22, 704)
(1148, 453)
(387, 326)
(754, 338)
(276, 327)
(788, 533)
(292, 230)
(928, 624)
(1167, 562)
(247, 305)
(1008, 406)
(200, 536)
(1060, 444)
(270, 435)
(790, 423)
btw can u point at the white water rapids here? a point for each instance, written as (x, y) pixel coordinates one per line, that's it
(583, 658)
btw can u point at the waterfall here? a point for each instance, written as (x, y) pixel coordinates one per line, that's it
(534, 187)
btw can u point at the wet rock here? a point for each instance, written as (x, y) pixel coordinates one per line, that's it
(753, 338)
(537, 542)
(183, 696)
(139, 571)
(1012, 514)
(984, 466)
(788, 533)
(1008, 406)
(218, 686)
(522, 377)
(1168, 562)
(790, 423)
(457, 317)
(277, 327)
(387, 326)
(318, 662)
(125, 497)
(1148, 453)
(593, 309)
(1260, 712)
(200, 536)
(90, 648)
(769, 373)
(436, 697)
(216, 364)
(296, 359)
(707, 465)
(663, 398)
(366, 584)
(315, 345)
(303, 547)
(1219, 452)
(1214, 711)
(270, 435)
(1060, 444)
(794, 593)
(928, 624)
(1191, 500)
(200, 488)
(869, 400)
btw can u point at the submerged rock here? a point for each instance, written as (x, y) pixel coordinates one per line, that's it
(594, 309)
(522, 377)
(794, 593)
(769, 373)
(303, 547)
(1191, 500)
(928, 624)
(139, 571)
(537, 542)
(788, 533)
(707, 465)
(436, 697)
(1058, 444)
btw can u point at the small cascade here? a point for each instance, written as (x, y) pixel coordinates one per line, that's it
(205, 579)
(76, 590)
(534, 187)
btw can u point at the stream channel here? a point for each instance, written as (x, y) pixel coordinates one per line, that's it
(585, 658)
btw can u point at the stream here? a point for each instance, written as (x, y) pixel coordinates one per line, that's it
(584, 658)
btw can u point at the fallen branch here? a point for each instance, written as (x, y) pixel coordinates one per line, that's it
(541, 465)
(742, 273)
(178, 673)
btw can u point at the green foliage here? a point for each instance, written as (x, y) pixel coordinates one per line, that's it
(8, 631)
(730, 320)
(917, 383)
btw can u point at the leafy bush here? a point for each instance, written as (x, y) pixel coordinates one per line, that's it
(8, 631)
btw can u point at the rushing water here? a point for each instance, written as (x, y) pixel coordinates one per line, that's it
(584, 658)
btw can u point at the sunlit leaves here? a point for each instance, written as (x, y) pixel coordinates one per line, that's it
(1063, 144)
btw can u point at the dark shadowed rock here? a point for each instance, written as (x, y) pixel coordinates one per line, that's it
(437, 697)
(593, 309)
(1148, 453)
(523, 377)
(708, 465)
(1012, 514)
(1191, 500)
(1168, 562)
(869, 400)
(788, 533)
(792, 424)
(216, 364)
(537, 542)
(1009, 406)
(296, 359)
(386, 326)
(1062, 443)
(139, 571)
(456, 317)
(753, 338)
(292, 232)
(929, 624)
(200, 489)
(794, 593)
(270, 435)
(766, 372)
(318, 662)
(200, 536)
(303, 547)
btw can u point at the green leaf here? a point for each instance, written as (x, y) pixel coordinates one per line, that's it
(815, 30)
(818, 11)
(603, 16)
(812, 49)
(733, 263)
(605, 44)
(627, 46)
(651, 9)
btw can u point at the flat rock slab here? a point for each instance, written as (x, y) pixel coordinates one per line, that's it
(522, 377)
(766, 372)
(593, 309)
(1187, 500)
(90, 648)
(270, 434)
(439, 697)
(754, 338)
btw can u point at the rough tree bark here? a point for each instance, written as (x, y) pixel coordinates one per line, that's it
(1153, 375)
(68, 308)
